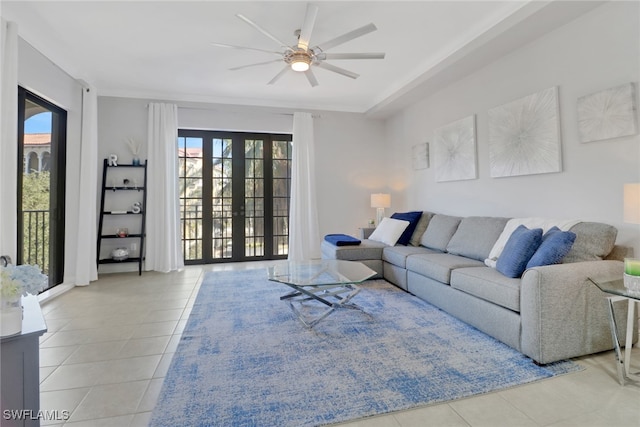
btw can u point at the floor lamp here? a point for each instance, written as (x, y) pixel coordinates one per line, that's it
(380, 201)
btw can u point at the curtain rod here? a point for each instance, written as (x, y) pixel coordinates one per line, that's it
(313, 115)
(238, 112)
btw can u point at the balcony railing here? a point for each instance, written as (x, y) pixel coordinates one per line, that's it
(35, 248)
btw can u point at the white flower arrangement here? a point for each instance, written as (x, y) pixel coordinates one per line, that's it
(134, 146)
(20, 280)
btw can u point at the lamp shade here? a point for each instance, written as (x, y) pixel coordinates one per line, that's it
(631, 203)
(380, 200)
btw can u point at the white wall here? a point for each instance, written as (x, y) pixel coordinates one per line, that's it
(349, 150)
(40, 76)
(597, 51)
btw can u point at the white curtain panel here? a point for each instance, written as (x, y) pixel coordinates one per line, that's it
(85, 264)
(304, 232)
(163, 243)
(8, 138)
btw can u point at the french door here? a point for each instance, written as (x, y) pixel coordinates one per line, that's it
(42, 135)
(234, 195)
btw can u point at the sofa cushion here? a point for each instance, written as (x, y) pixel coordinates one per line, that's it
(438, 266)
(475, 236)
(439, 232)
(594, 241)
(488, 284)
(519, 249)
(397, 255)
(413, 218)
(367, 250)
(389, 231)
(555, 246)
(420, 228)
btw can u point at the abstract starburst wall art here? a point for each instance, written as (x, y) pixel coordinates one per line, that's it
(455, 150)
(524, 135)
(608, 114)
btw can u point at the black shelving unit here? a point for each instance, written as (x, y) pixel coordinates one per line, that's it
(112, 191)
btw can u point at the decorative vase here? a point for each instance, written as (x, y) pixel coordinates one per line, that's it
(135, 161)
(10, 317)
(632, 274)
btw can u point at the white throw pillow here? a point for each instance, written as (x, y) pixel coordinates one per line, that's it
(533, 222)
(389, 231)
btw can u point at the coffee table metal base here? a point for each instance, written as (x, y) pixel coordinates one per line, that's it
(332, 296)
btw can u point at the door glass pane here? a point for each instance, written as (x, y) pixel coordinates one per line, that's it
(281, 182)
(36, 181)
(221, 198)
(191, 181)
(254, 198)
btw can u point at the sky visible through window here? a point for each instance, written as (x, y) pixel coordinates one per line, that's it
(40, 123)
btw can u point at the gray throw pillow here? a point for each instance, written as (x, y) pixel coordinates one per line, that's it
(439, 231)
(475, 236)
(420, 228)
(594, 241)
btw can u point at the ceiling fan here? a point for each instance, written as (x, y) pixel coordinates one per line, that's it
(301, 57)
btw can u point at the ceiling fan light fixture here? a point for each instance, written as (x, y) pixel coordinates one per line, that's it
(299, 60)
(300, 66)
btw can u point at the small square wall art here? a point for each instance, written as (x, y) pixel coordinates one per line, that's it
(455, 150)
(524, 135)
(608, 114)
(420, 156)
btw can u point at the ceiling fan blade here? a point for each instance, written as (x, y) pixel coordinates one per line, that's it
(244, 48)
(338, 70)
(311, 77)
(373, 55)
(253, 65)
(348, 36)
(307, 27)
(280, 74)
(263, 31)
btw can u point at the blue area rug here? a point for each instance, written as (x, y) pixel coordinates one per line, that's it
(245, 359)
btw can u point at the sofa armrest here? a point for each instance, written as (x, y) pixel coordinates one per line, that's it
(563, 314)
(366, 232)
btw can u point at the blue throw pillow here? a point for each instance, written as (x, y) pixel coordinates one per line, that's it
(555, 245)
(413, 218)
(518, 250)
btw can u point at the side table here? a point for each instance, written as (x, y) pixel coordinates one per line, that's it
(20, 369)
(619, 292)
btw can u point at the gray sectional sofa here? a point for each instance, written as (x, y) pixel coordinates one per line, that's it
(551, 313)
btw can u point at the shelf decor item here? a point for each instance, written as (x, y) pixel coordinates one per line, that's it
(134, 146)
(120, 254)
(15, 282)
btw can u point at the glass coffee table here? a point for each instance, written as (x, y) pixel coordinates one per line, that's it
(620, 292)
(320, 286)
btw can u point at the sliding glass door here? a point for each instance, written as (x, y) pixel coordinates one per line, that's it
(235, 191)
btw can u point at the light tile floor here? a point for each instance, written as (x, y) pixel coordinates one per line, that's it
(109, 346)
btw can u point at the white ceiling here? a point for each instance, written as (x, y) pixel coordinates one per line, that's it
(162, 49)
